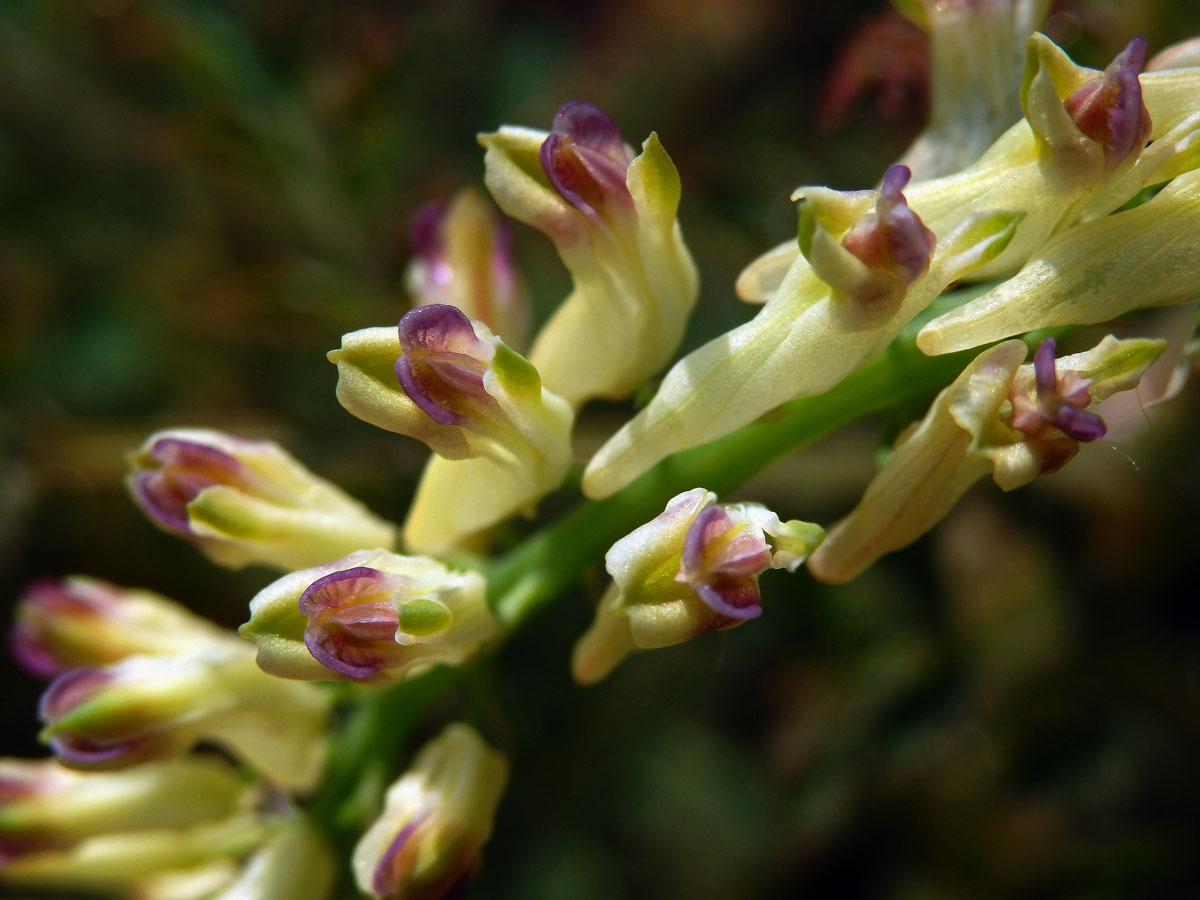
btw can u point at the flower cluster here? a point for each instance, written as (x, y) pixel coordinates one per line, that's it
(232, 763)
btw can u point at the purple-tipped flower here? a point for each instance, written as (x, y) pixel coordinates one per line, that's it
(884, 251)
(1057, 401)
(611, 213)
(373, 616)
(243, 501)
(436, 818)
(1109, 108)
(45, 806)
(999, 418)
(71, 623)
(892, 239)
(159, 707)
(586, 160)
(461, 258)
(692, 569)
(502, 440)
(442, 364)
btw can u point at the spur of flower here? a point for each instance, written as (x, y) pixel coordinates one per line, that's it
(373, 616)
(611, 215)
(692, 569)
(999, 417)
(242, 501)
(502, 440)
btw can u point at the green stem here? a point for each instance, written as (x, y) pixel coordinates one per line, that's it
(550, 561)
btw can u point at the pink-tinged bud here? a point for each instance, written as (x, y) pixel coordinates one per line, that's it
(1109, 108)
(586, 160)
(159, 707)
(442, 364)
(869, 256)
(45, 806)
(373, 616)
(436, 818)
(461, 258)
(241, 501)
(721, 561)
(892, 239)
(1057, 401)
(77, 622)
(503, 441)
(692, 569)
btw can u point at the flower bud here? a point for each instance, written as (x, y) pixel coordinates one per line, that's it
(447, 381)
(45, 806)
(129, 862)
(999, 417)
(294, 863)
(611, 215)
(243, 501)
(159, 707)
(461, 258)
(77, 622)
(436, 818)
(879, 255)
(374, 616)
(692, 569)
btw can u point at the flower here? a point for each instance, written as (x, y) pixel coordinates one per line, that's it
(159, 707)
(874, 266)
(461, 258)
(373, 616)
(1139, 258)
(450, 383)
(71, 623)
(46, 806)
(241, 501)
(611, 215)
(436, 818)
(692, 569)
(999, 417)
(1052, 169)
(133, 863)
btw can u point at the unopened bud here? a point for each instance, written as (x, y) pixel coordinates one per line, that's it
(373, 616)
(243, 501)
(435, 821)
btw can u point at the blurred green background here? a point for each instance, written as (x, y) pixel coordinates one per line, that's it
(198, 198)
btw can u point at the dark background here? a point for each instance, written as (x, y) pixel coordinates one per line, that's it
(198, 198)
